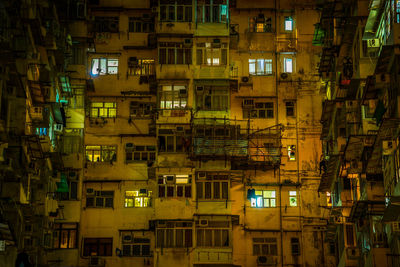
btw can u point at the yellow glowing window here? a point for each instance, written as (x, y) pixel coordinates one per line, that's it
(260, 27)
(292, 152)
(103, 110)
(138, 198)
(293, 198)
(101, 153)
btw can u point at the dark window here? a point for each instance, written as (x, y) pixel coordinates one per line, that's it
(295, 246)
(107, 24)
(290, 111)
(97, 247)
(175, 53)
(141, 24)
(100, 199)
(182, 231)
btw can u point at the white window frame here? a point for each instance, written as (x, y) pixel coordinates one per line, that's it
(288, 23)
(262, 200)
(261, 67)
(110, 66)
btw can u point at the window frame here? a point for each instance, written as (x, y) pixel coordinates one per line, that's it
(266, 65)
(288, 19)
(58, 234)
(213, 187)
(111, 149)
(163, 95)
(290, 105)
(111, 111)
(110, 69)
(164, 186)
(71, 195)
(170, 53)
(171, 227)
(260, 110)
(101, 194)
(135, 22)
(293, 198)
(180, 140)
(260, 20)
(151, 154)
(187, 11)
(140, 242)
(260, 198)
(202, 16)
(206, 237)
(137, 195)
(106, 246)
(265, 246)
(207, 54)
(217, 97)
(144, 67)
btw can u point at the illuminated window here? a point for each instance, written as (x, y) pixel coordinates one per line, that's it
(260, 66)
(287, 65)
(138, 199)
(260, 24)
(175, 186)
(263, 199)
(103, 110)
(212, 54)
(288, 24)
(265, 246)
(212, 97)
(215, 11)
(290, 109)
(141, 24)
(99, 199)
(175, 53)
(140, 153)
(97, 247)
(103, 66)
(65, 235)
(136, 247)
(293, 198)
(173, 96)
(397, 11)
(328, 199)
(212, 233)
(170, 234)
(291, 152)
(260, 110)
(212, 186)
(101, 153)
(65, 84)
(141, 67)
(176, 10)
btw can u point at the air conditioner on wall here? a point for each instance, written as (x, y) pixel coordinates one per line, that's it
(90, 192)
(265, 260)
(127, 238)
(203, 222)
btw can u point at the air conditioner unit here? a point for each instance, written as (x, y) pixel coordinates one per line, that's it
(113, 26)
(284, 75)
(245, 79)
(352, 253)
(388, 147)
(127, 238)
(179, 129)
(143, 191)
(203, 222)
(90, 192)
(373, 43)
(216, 41)
(265, 260)
(96, 261)
(72, 175)
(58, 127)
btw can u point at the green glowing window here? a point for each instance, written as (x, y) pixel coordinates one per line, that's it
(103, 110)
(293, 198)
(263, 199)
(138, 199)
(65, 84)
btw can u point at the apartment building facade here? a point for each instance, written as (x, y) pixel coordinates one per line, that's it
(191, 136)
(360, 129)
